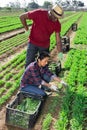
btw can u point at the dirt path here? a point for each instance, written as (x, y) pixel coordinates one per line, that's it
(8, 56)
(10, 34)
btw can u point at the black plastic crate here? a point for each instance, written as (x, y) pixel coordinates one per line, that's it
(65, 40)
(55, 67)
(58, 68)
(21, 119)
(74, 26)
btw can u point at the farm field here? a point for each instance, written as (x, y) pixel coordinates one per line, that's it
(65, 110)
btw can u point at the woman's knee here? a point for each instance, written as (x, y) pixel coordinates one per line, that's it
(33, 90)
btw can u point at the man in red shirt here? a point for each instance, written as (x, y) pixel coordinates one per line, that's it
(45, 22)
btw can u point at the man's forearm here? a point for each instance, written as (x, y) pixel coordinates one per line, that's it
(58, 42)
(59, 46)
(23, 21)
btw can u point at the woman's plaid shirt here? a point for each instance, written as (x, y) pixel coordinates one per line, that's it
(33, 75)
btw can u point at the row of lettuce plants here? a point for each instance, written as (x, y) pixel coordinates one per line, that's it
(79, 104)
(15, 23)
(65, 27)
(54, 104)
(72, 114)
(81, 34)
(9, 44)
(10, 79)
(68, 17)
(4, 21)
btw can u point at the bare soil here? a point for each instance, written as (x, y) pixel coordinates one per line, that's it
(9, 56)
(10, 34)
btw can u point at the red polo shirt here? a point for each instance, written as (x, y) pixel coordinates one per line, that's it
(42, 28)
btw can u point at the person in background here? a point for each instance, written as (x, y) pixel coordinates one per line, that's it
(45, 22)
(37, 75)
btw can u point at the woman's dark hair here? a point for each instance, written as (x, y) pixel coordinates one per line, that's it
(43, 55)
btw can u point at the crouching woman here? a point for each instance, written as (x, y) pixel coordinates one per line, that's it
(36, 75)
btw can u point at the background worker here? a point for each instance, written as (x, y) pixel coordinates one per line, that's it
(45, 22)
(37, 74)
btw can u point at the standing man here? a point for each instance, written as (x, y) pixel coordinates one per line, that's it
(45, 22)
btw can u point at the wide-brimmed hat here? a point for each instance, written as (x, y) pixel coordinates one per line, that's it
(57, 11)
